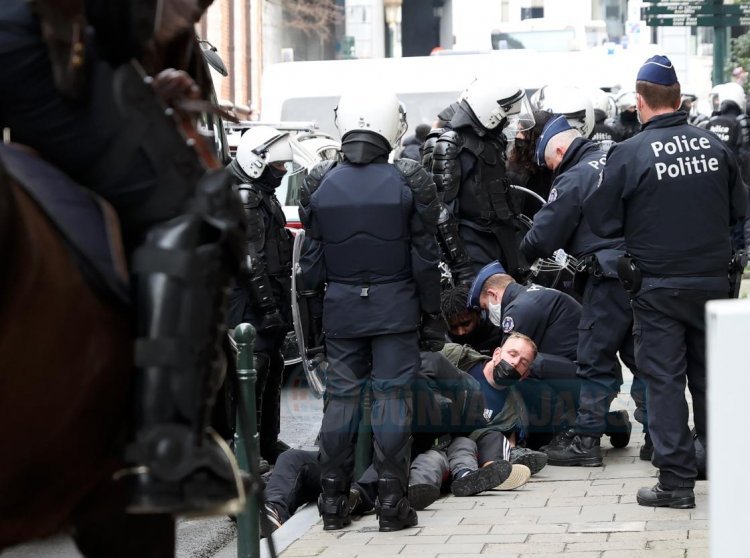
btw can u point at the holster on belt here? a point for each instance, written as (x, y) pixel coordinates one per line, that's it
(629, 274)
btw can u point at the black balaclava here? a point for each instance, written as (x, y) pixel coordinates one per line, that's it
(361, 147)
(268, 181)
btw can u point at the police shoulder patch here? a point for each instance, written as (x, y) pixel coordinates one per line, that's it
(552, 195)
(508, 324)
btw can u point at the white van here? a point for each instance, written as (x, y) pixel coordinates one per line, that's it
(309, 91)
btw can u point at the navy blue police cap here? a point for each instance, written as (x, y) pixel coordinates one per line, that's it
(492, 268)
(558, 123)
(658, 69)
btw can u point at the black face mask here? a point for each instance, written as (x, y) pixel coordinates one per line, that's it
(505, 374)
(631, 117)
(270, 179)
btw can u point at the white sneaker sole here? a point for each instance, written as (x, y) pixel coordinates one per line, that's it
(519, 475)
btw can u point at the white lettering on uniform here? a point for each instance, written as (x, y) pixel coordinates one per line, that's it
(691, 160)
(600, 163)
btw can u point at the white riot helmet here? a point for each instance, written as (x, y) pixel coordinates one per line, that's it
(262, 145)
(626, 101)
(494, 101)
(728, 92)
(604, 102)
(570, 101)
(376, 111)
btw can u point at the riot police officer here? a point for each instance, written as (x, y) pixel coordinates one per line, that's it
(370, 230)
(626, 123)
(606, 318)
(603, 133)
(263, 298)
(673, 191)
(92, 114)
(480, 223)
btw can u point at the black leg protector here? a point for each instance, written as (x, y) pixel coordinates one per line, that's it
(182, 275)
(392, 506)
(271, 423)
(333, 503)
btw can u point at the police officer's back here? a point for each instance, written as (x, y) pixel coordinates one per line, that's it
(370, 237)
(673, 191)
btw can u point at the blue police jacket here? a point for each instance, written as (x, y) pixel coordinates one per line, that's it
(549, 317)
(364, 217)
(673, 191)
(560, 223)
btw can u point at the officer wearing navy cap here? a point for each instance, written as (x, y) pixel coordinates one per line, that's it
(550, 318)
(673, 191)
(606, 320)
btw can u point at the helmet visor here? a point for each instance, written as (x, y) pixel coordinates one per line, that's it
(520, 118)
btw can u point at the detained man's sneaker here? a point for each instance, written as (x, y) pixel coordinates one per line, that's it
(647, 449)
(661, 497)
(422, 495)
(583, 451)
(272, 520)
(519, 475)
(468, 482)
(618, 428)
(534, 460)
(358, 506)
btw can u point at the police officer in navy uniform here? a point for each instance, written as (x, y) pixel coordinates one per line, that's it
(606, 318)
(370, 232)
(480, 222)
(550, 318)
(673, 191)
(263, 299)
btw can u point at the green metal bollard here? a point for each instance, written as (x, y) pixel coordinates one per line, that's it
(248, 522)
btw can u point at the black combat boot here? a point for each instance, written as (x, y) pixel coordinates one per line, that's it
(333, 504)
(583, 450)
(392, 506)
(662, 497)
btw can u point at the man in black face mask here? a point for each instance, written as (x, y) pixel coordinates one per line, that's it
(264, 299)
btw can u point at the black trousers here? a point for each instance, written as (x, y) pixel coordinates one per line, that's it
(391, 362)
(605, 329)
(670, 350)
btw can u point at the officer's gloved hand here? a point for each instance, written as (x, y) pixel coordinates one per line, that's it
(271, 322)
(432, 332)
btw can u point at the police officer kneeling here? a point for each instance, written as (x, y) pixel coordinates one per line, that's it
(673, 191)
(371, 237)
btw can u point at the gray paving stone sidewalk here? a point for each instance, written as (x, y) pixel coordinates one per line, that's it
(578, 512)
